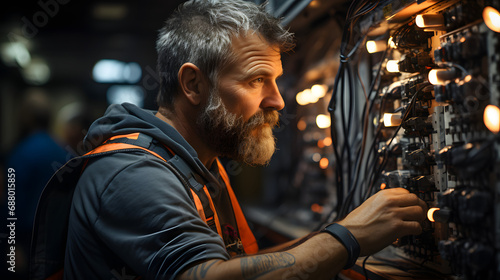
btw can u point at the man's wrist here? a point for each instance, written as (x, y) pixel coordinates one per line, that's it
(345, 237)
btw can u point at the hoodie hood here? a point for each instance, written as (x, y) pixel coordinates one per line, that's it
(128, 118)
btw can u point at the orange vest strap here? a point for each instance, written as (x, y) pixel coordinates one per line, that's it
(119, 146)
(199, 206)
(132, 136)
(247, 238)
(216, 217)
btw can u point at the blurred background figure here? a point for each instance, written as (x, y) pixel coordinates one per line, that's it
(73, 121)
(35, 158)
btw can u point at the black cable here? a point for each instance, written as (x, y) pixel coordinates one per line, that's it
(342, 116)
(355, 11)
(371, 160)
(349, 121)
(346, 124)
(372, 152)
(354, 186)
(376, 81)
(339, 171)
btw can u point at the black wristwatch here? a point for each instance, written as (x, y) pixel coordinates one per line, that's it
(347, 239)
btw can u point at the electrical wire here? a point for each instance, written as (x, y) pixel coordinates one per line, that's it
(355, 11)
(348, 202)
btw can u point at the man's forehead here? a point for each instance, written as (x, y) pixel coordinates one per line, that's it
(254, 56)
(252, 42)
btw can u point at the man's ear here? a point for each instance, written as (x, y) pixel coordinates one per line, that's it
(192, 83)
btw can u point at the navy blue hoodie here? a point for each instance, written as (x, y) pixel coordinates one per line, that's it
(130, 215)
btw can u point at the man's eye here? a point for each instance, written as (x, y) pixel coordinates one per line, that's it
(258, 80)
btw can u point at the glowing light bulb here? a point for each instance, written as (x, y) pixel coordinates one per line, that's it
(442, 76)
(433, 79)
(491, 18)
(392, 66)
(419, 21)
(429, 20)
(392, 119)
(430, 214)
(376, 46)
(391, 43)
(492, 118)
(323, 121)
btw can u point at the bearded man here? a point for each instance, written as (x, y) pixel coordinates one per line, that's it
(166, 210)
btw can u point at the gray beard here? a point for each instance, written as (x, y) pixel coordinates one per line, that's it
(251, 142)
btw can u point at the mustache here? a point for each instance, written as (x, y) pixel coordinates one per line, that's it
(270, 117)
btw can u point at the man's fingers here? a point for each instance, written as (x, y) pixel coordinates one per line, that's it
(409, 199)
(410, 228)
(397, 191)
(423, 205)
(411, 213)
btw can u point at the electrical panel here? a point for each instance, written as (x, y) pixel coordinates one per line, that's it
(430, 124)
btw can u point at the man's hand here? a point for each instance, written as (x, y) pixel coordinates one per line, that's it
(384, 217)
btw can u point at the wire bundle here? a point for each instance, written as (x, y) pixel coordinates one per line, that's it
(342, 149)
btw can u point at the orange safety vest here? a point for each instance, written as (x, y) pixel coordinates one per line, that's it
(47, 250)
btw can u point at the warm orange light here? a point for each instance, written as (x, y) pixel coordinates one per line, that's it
(317, 208)
(306, 97)
(391, 43)
(392, 119)
(376, 46)
(301, 99)
(383, 186)
(319, 91)
(323, 121)
(429, 20)
(491, 18)
(419, 20)
(327, 141)
(321, 143)
(430, 214)
(492, 118)
(323, 163)
(301, 125)
(392, 66)
(433, 79)
(442, 76)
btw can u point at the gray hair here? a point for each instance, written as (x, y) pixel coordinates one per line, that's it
(200, 32)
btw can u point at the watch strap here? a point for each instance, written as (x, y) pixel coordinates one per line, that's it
(345, 237)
